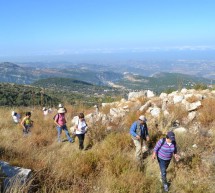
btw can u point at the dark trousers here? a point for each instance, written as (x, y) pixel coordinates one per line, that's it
(163, 167)
(81, 140)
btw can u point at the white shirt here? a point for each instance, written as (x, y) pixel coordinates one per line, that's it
(16, 118)
(81, 126)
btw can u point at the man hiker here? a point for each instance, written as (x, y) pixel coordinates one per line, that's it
(164, 150)
(139, 134)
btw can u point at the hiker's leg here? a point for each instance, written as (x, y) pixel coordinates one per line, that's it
(163, 167)
(137, 144)
(25, 131)
(87, 141)
(59, 131)
(67, 133)
(144, 146)
(29, 128)
(81, 140)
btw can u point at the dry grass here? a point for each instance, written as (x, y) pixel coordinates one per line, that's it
(192, 99)
(142, 100)
(109, 166)
(206, 113)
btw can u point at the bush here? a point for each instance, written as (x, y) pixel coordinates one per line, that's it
(206, 113)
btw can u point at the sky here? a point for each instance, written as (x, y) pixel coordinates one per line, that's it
(62, 27)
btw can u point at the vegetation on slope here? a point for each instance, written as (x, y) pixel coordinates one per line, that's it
(58, 91)
(109, 166)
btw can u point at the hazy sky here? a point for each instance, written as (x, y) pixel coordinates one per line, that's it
(46, 27)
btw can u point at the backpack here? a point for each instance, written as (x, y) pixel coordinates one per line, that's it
(57, 115)
(138, 131)
(163, 141)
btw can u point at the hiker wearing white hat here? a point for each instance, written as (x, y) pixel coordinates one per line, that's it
(139, 134)
(45, 111)
(16, 117)
(60, 121)
(61, 106)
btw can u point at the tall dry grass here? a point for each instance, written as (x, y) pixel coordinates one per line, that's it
(206, 113)
(109, 166)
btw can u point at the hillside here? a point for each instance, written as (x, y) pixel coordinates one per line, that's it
(75, 86)
(108, 164)
(50, 92)
(20, 95)
(161, 81)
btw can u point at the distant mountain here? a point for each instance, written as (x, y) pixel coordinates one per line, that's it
(160, 81)
(86, 78)
(75, 86)
(13, 73)
(141, 65)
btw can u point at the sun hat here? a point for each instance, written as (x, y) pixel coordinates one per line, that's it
(171, 135)
(142, 118)
(60, 106)
(61, 110)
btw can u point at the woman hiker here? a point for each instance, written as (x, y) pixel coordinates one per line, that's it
(164, 150)
(81, 129)
(60, 121)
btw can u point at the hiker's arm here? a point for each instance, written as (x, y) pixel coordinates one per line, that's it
(158, 144)
(22, 123)
(154, 155)
(133, 131)
(176, 156)
(56, 123)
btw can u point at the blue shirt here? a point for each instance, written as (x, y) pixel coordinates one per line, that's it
(143, 128)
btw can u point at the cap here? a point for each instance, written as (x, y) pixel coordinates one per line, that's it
(142, 118)
(171, 135)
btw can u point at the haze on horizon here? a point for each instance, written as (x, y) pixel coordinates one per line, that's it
(45, 30)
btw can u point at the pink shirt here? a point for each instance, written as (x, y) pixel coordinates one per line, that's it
(60, 119)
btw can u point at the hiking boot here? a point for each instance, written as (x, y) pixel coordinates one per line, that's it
(165, 187)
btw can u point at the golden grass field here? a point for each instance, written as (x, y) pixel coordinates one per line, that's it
(109, 166)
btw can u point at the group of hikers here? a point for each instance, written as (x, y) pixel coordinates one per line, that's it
(164, 149)
(60, 122)
(80, 127)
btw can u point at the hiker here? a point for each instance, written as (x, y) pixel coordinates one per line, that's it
(96, 109)
(60, 121)
(139, 134)
(164, 150)
(81, 129)
(27, 123)
(61, 106)
(16, 117)
(45, 111)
